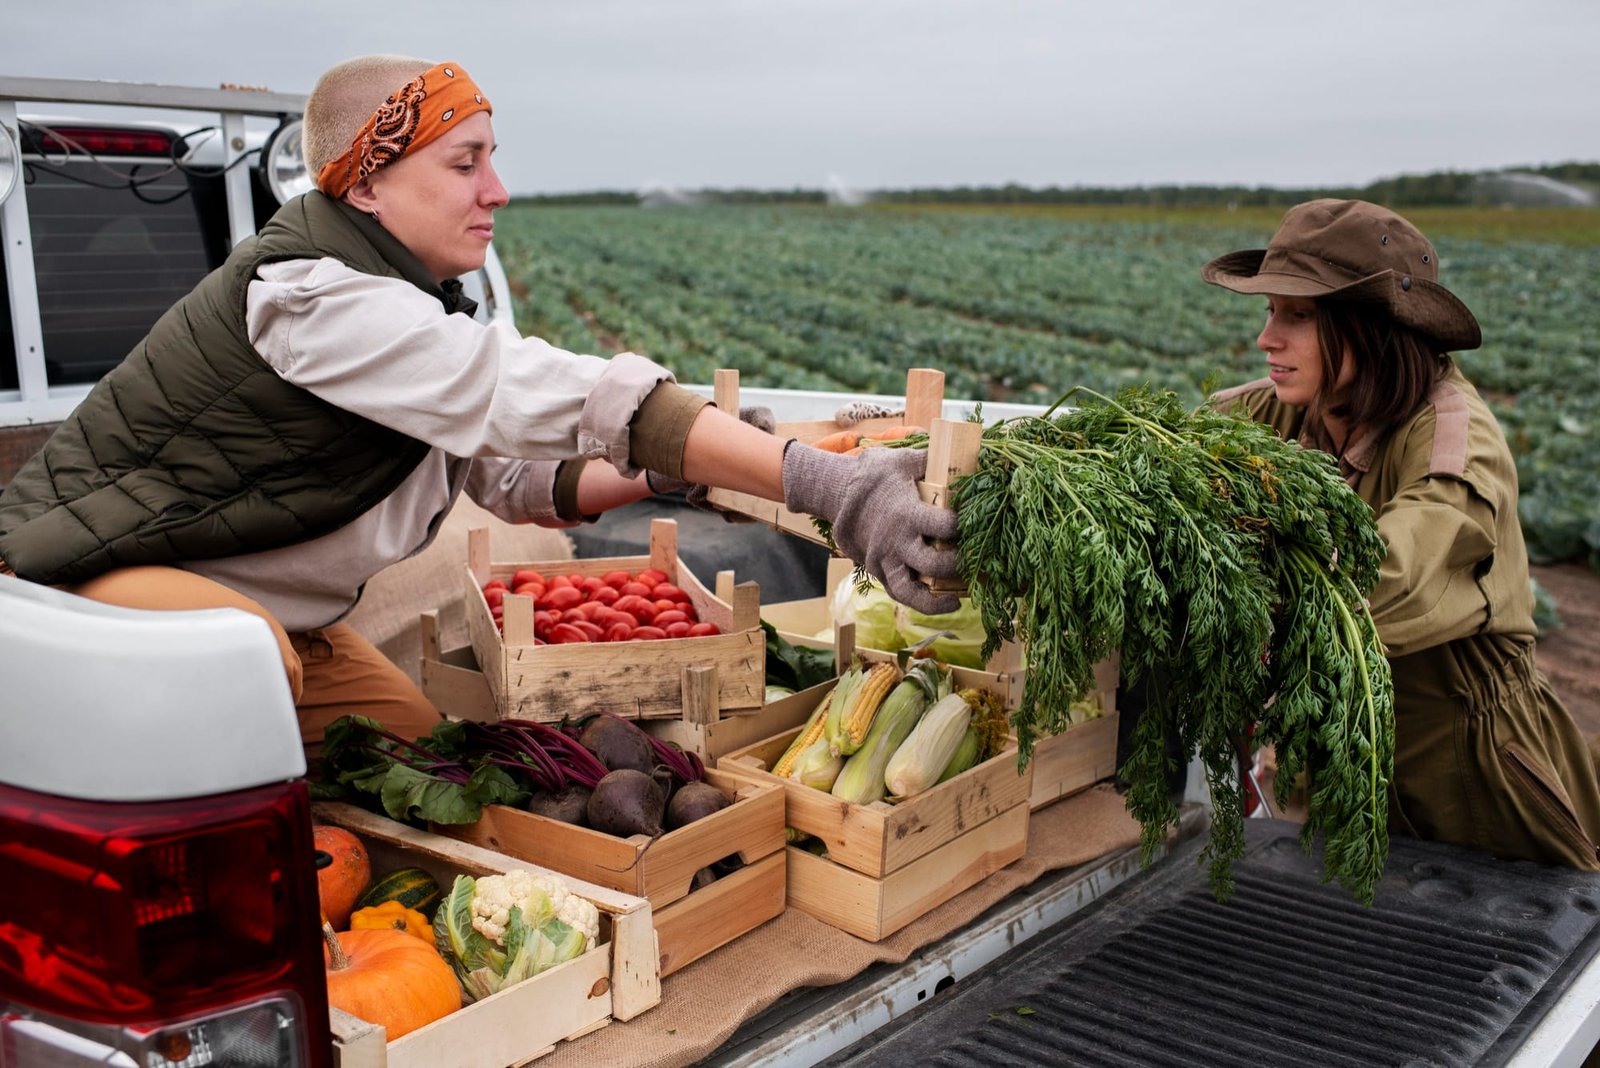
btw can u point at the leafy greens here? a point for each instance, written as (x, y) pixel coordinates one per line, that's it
(1227, 565)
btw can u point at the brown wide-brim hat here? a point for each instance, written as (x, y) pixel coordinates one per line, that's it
(1351, 250)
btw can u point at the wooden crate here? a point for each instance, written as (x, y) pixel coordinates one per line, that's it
(952, 451)
(1062, 764)
(888, 864)
(873, 909)
(638, 680)
(688, 925)
(617, 979)
(1083, 754)
(882, 838)
(452, 682)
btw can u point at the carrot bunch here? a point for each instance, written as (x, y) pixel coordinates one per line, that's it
(851, 442)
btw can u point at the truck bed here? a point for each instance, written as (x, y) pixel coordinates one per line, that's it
(1462, 960)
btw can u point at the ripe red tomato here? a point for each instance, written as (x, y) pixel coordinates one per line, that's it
(494, 584)
(646, 634)
(557, 582)
(637, 607)
(634, 589)
(703, 630)
(666, 591)
(667, 618)
(525, 576)
(652, 576)
(530, 589)
(618, 632)
(563, 597)
(594, 631)
(605, 595)
(616, 579)
(495, 595)
(679, 629)
(567, 633)
(591, 584)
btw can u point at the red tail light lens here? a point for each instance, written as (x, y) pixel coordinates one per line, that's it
(138, 913)
(104, 141)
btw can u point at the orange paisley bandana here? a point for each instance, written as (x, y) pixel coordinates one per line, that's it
(421, 111)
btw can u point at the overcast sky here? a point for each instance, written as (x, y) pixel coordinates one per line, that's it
(624, 94)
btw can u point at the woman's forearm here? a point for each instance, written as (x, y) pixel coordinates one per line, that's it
(725, 452)
(601, 488)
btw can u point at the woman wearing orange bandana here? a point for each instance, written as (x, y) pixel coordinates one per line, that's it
(309, 413)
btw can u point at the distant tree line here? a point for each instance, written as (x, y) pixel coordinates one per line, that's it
(1439, 189)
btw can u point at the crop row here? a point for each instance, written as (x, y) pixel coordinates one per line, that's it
(1018, 308)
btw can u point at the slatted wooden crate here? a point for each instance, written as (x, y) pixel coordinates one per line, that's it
(452, 681)
(952, 451)
(636, 679)
(1083, 754)
(689, 924)
(1063, 764)
(887, 864)
(874, 909)
(617, 979)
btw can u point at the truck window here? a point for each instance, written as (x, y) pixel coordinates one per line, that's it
(115, 243)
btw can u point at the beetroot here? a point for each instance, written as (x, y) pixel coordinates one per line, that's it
(694, 801)
(618, 744)
(569, 806)
(627, 802)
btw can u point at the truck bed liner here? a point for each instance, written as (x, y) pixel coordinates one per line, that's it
(1455, 963)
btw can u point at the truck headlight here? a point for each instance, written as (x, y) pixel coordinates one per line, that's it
(10, 162)
(283, 162)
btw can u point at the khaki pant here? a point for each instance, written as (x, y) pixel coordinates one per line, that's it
(1487, 757)
(333, 671)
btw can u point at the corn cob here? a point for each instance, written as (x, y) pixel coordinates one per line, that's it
(965, 757)
(861, 781)
(817, 766)
(927, 750)
(850, 718)
(808, 734)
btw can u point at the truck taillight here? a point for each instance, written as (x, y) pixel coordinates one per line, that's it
(162, 919)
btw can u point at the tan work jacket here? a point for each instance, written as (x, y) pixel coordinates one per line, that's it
(1485, 754)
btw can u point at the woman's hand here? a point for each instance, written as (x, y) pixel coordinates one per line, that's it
(878, 516)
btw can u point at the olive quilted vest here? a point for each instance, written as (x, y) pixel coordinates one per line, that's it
(194, 448)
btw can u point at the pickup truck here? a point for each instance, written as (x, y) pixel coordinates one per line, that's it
(160, 896)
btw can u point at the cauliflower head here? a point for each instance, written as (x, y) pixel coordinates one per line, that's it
(539, 897)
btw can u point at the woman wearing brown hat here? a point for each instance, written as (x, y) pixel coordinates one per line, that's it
(1357, 341)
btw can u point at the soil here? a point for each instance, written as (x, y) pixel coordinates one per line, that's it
(1570, 655)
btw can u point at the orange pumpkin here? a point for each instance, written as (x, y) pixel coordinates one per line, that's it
(388, 977)
(341, 883)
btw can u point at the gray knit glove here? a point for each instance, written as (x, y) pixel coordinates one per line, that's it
(879, 519)
(695, 492)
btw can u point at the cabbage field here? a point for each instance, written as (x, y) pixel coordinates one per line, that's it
(1022, 306)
